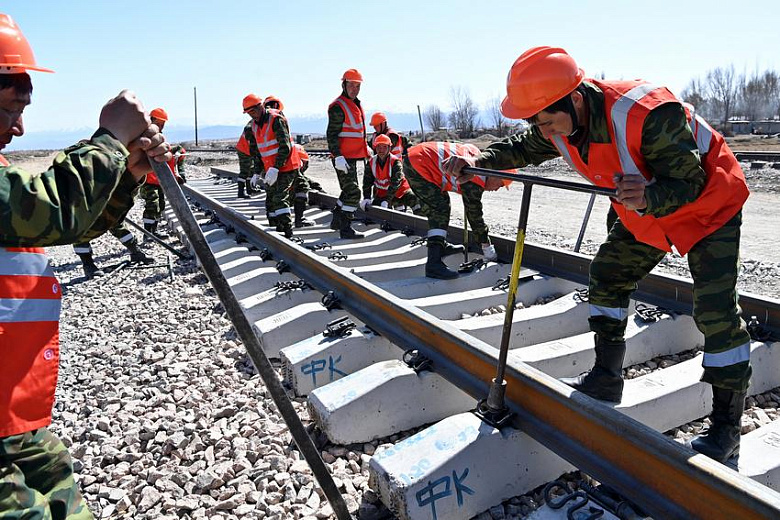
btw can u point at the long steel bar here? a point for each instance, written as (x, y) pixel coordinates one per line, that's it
(664, 477)
(584, 225)
(541, 181)
(157, 239)
(252, 343)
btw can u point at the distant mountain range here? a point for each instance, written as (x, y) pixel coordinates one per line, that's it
(315, 125)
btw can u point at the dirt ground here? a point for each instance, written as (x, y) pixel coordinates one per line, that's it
(556, 215)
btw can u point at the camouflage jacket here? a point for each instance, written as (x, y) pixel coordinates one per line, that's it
(87, 188)
(250, 164)
(668, 146)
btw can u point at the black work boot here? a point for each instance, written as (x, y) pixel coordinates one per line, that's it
(335, 223)
(604, 381)
(434, 267)
(452, 249)
(345, 228)
(721, 441)
(136, 255)
(88, 264)
(241, 194)
(299, 206)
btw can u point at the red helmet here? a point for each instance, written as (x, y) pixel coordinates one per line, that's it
(159, 113)
(378, 118)
(271, 99)
(382, 139)
(251, 100)
(538, 78)
(352, 75)
(16, 55)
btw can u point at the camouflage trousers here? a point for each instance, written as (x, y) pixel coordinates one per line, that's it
(154, 203)
(435, 204)
(301, 186)
(120, 231)
(348, 182)
(36, 479)
(278, 201)
(622, 261)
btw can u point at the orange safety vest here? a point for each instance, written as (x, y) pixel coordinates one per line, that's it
(352, 138)
(627, 104)
(302, 153)
(268, 146)
(151, 177)
(427, 158)
(30, 301)
(4, 161)
(382, 177)
(243, 145)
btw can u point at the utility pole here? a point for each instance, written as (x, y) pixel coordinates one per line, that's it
(422, 128)
(195, 93)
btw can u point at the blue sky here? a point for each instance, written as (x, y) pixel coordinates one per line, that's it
(410, 53)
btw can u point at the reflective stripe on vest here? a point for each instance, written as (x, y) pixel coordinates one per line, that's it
(30, 300)
(615, 313)
(351, 126)
(268, 146)
(381, 173)
(398, 149)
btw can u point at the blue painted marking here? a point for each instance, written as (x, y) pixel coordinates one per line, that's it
(428, 495)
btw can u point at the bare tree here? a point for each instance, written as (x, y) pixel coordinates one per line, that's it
(760, 95)
(434, 118)
(465, 114)
(722, 86)
(695, 94)
(499, 122)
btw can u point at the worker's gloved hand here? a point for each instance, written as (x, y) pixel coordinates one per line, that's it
(364, 204)
(255, 181)
(455, 163)
(271, 175)
(489, 253)
(384, 204)
(341, 163)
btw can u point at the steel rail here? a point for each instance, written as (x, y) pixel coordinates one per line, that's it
(251, 342)
(664, 477)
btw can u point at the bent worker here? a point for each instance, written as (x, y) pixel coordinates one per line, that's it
(86, 186)
(400, 143)
(678, 185)
(346, 136)
(431, 184)
(280, 163)
(386, 177)
(249, 163)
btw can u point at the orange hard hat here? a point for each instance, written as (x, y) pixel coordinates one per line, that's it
(352, 75)
(271, 99)
(382, 139)
(538, 78)
(251, 100)
(16, 56)
(378, 118)
(159, 113)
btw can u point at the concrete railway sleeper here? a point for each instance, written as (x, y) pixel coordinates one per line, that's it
(360, 389)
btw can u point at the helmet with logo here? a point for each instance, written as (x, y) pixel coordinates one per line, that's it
(538, 78)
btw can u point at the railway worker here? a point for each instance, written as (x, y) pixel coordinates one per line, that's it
(249, 163)
(280, 162)
(346, 136)
(431, 184)
(151, 192)
(400, 142)
(301, 185)
(86, 185)
(385, 175)
(678, 185)
(83, 250)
